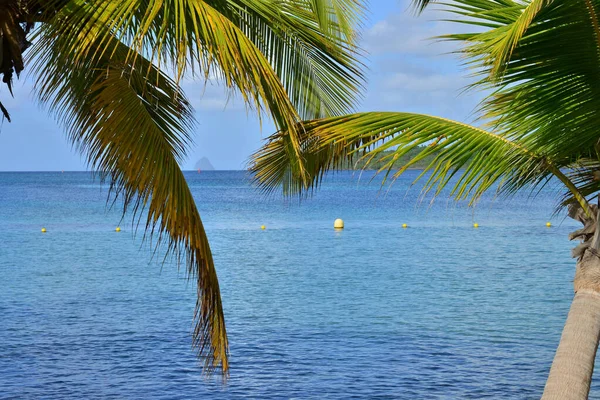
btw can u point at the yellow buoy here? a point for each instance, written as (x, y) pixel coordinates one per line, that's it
(338, 224)
(404, 226)
(118, 229)
(548, 224)
(263, 227)
(43, 230)
(475, 225)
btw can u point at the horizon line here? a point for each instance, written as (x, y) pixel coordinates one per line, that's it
(72, 170)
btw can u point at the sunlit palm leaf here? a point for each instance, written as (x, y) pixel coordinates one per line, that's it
(134, 130)
(98, 70)
(311, 48)
(541, 61)
(512, 33)
(201, 37)
(549, 57)
(479, 159)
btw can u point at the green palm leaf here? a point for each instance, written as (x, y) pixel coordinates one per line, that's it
(539, 94)
(540, 60)
(478, 158)
(542, 103)
(134, 130)
(98, 66)
(210, 38)
(311, 48)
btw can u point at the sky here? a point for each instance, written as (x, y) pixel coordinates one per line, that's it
(406, 71)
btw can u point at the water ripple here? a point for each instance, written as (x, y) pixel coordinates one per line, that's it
(436, 311)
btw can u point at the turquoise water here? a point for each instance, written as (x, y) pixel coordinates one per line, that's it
(439, 310)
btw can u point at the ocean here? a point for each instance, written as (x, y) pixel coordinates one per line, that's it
(439, 310)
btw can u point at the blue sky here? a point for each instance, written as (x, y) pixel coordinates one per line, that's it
(407, 72)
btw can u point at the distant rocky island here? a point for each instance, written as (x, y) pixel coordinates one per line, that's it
(356, 163)
(204, 164)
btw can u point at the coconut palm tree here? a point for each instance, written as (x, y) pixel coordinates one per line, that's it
(539, 63)
(110, 72)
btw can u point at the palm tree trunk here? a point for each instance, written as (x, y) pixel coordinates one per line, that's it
(571, 373)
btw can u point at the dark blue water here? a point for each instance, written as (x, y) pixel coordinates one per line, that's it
(438, 310)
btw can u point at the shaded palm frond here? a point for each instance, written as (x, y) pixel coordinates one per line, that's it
(421, 5)
(133, 130)
(13, 42)
(477, 158)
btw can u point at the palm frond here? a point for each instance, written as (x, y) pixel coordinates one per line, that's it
(477, 158)
(547, 93)
(98, 66)
(13, 43)
(314, 68)
(338, 17)
(133, 130)
(421, 5)
(311, 46)
(585, 175)
(502, 52)
(509, 21)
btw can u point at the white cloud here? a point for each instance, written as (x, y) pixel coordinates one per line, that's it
(424, 83)
(424, 92)
(410, 35)
(410, 71)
